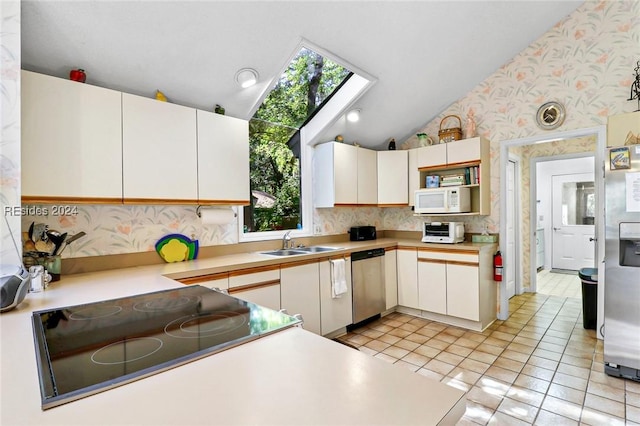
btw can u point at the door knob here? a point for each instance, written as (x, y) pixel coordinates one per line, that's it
(593, 239)
(556, 229)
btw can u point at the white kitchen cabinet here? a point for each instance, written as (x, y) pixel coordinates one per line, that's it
(461, 157)
(335, 174)
(432, 285)
(159, 152)
(344, 175)
(432, 155)
(467, 150)
(463, 291)
(391, 278)
(367, 177)
(456, 286)
(71, 141)
(393, 178)
(337, 313)
(414, 176)
(300, 292)
(223, 159)
(259, 285)
(407, 262)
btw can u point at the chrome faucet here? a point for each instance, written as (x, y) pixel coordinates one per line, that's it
(286, 241)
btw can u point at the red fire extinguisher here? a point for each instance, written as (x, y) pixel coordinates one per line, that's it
(497, 266)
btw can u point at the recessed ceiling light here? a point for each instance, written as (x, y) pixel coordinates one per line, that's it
(246, 77)
(353, 115)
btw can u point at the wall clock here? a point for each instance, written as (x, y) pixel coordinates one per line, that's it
(550, 115)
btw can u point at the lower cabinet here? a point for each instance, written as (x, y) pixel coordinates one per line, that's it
(432, 285)
(463, 291)
(456, 286)
(334, 313)
(300, 292)
(391, 278)
(407, 263)
(257, 285)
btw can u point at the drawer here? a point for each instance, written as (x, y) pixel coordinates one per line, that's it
(254, 276)
(467, 256)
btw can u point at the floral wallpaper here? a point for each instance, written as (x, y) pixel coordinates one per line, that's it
(585, 61)
(10, 130)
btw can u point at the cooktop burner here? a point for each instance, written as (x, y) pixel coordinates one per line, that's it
(85, 349)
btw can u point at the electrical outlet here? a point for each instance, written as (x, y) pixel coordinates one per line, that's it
(317, 230)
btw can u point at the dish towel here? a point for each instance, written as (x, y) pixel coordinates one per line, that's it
(338, 278)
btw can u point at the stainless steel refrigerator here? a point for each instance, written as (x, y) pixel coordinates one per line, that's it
(622, 263)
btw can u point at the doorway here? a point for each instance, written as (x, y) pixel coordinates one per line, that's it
(513, 210)
(573, 218)
(525, 240)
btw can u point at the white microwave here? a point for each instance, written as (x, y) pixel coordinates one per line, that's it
(442, 200)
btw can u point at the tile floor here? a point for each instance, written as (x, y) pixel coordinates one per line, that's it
(559, 284)
(540, 366)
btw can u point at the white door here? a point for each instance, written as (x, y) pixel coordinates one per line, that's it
(512, 208)
(573, 210)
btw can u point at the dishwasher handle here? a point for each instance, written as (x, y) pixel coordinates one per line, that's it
(367, 254)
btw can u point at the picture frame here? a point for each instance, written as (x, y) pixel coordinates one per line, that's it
(619, 158)
(432, 181)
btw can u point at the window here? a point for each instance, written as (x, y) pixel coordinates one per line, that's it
(276, 149)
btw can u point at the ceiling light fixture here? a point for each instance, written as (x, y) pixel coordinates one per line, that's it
(246, 77)
(353, 115)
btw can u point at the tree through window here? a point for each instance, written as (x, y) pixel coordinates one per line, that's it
(274, 140)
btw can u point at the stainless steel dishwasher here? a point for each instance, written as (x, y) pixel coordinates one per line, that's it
(367, 275)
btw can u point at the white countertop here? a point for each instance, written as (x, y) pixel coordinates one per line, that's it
(290, 377)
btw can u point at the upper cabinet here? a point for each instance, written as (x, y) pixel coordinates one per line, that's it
(223, 159)
(393, 178)
(468, 158)
(344, 175)
(159, 151)
(71, 141)
(367, 177)
(85, 144)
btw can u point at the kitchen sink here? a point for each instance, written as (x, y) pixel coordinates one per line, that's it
(299, 250)
(284, 252)
(317, 249)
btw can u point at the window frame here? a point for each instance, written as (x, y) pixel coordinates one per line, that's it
(336, 106)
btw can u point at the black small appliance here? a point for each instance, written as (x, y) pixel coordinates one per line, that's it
(362, 233)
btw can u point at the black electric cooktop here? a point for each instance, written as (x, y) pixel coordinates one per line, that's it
(86, 349)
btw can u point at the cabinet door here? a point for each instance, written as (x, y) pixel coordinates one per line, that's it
(334, 313)
(223, 159)
(345, 169)
(414, 176)
(407, 277)
(159, 151)
(463, 151)
(300, 293)
(391, 278)
(432, 285)
(433, 155)
(463, 292)
(367, 176)
(393, 178)
(71, 140)
(267, 296)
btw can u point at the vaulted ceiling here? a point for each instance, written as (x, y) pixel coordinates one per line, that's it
(424, 55)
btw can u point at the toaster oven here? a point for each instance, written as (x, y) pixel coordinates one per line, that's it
(443, 232)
